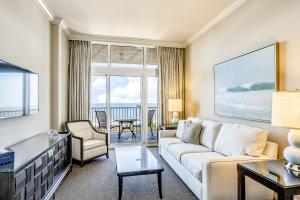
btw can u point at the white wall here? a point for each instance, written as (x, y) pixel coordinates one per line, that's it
(253, 25)
(25, 41)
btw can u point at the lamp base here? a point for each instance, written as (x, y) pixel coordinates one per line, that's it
(174, 120)
(292, 169)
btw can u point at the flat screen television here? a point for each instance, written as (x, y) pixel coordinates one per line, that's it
(19, 91)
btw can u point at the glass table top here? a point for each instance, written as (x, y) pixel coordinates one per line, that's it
(275, 171)
(136, 159)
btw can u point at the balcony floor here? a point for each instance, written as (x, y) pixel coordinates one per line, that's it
(126, 137)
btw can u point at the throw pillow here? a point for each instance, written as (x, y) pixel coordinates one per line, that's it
(191, 132)
(236, 139)
(210, 131)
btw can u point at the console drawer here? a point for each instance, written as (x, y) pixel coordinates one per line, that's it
(50, 155)
(38, 164)
(29, 189)
(37, 182)
(44, 174)
(20, 195)
(43, 189)
(29, 173)
(20, 180)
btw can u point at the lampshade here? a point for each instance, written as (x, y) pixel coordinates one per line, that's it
(175, 105)
(286, 109)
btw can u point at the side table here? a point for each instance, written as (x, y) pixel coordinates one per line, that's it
(271, 174)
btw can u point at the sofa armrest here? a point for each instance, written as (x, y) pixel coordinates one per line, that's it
(167, 133)
(219, 179)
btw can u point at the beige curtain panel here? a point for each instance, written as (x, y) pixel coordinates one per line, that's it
(171, 80)
(79, 79)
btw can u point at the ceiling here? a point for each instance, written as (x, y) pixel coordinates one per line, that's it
(163, 20)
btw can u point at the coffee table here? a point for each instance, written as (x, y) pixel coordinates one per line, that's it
(135, 161)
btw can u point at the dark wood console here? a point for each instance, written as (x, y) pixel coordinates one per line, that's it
(39, 167)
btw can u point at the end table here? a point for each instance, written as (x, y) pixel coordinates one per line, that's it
(271, 174)
(168, 127)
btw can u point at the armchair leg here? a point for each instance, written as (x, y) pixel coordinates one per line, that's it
(107, 156)
(82, 163)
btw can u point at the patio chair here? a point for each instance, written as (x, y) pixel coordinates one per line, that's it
(150, 121)
(87, 142)
(102, 120)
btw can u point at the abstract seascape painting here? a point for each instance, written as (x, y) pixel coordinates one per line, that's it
(244, 85)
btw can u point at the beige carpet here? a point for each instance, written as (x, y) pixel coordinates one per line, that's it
(97, 180)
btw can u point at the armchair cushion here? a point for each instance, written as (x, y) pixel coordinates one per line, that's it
(81, 129)
(91, 144)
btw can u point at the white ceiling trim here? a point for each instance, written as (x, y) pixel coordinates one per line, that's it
(225, 13)
(112, 39)
(51, 16)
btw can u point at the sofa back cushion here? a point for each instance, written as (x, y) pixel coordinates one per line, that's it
(180, 127)
(236, 139)
(191, 132)
(210, 131)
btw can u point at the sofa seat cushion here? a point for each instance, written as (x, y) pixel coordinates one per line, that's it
(166, 142)
(193, 162)
(91, 144)
(177, 150)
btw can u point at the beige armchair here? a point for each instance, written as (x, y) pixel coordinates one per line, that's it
(87, 142)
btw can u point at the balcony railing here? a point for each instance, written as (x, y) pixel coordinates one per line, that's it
(133, 112)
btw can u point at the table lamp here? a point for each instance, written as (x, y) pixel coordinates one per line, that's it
(175, 106)
(286, 113)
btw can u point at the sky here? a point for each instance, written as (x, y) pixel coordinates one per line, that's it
(123, 89)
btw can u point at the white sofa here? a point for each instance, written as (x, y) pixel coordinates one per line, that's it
(210, 168)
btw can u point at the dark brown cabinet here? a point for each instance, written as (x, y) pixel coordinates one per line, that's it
(40, 165)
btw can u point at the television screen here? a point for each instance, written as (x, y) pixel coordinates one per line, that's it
(18, 91)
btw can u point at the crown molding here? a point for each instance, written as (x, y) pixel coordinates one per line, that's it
(51, 16)
(225, 13)
(126, 40)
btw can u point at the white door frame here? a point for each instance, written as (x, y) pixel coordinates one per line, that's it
(143, 73)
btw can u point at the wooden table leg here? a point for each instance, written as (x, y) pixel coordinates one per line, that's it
(120, 186)
(284, 196)
(159, 184)
(241, 185)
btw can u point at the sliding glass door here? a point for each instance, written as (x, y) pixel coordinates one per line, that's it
(124, 88)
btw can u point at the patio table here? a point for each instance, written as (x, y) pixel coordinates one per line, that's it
(126, 124)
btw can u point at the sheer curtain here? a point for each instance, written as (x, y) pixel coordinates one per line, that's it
(79, 79)
(171, 80)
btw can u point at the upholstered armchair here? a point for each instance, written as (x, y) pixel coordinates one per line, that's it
(87, 142)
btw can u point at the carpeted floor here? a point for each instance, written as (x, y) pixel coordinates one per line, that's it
(97, 180)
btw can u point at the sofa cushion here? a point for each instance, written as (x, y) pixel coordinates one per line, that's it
(177, 150)
(236, 139)
(165, 142)
(91, 144)
(191, 132)
(210, 131)
(193, 162)
(180, 127)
